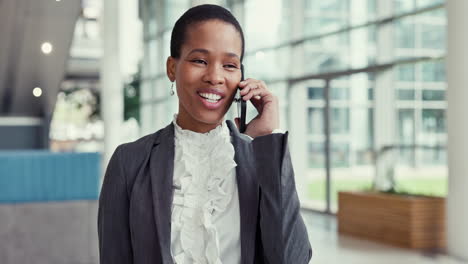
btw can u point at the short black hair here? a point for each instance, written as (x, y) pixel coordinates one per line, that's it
(197, 14)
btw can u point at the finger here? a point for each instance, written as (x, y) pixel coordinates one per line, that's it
(249, 87)
(246, 82)
(257, 103)
(237, 121)
(256, 92)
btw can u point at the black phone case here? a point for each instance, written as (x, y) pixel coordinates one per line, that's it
(243, 107)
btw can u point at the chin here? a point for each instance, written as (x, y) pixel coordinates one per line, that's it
(210, 118)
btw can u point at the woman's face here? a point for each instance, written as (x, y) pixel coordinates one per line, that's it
(206, 74)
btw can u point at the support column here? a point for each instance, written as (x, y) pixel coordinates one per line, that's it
(384, 99)
(297, 104)
(457, 63)
(111, 78)
(359, 84)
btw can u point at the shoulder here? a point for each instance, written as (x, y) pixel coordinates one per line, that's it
(137, 146)
(133, 154)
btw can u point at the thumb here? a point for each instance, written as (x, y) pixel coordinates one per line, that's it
(237, 121)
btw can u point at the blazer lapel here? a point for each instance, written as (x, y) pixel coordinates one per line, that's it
(162, 170)
(248, 190)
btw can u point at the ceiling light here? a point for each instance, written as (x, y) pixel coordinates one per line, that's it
(37, 92)
(46, 48)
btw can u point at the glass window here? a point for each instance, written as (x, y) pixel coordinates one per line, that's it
(372, 9)
(433, 95)
(315, 25)
(315, 93)
(406, 126)
(146, 115)
(433, 121)
(166, 50)
(150, 12)
(315, 179)
(339, 93)
(330, 53)
(173, 10)
(435, 14)
(433, 36)
(402, 6)
(405, 33)
(435, 156)
(153, 58)
(433, 72)
(269, 64)
(370, 94)
(340, 154)
(406, 134)
(315, 124)
(146, 91)
(325, 16)
(145, 71)
(339, 120)
(316, 155)
(405, 94)
(370, 137)
(256, 35)
(426, 3)
(372, 37)
(329, 6)
(405, 72)
(418, 87)
(162, 87)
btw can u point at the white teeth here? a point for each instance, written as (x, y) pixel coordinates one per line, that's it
(211, 97)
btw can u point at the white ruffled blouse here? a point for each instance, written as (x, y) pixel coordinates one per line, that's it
(205, 209)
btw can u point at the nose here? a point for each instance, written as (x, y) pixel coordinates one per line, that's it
(213, 75)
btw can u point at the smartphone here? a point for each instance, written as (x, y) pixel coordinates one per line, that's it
(243, 105)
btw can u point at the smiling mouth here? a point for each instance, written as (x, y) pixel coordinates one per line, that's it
(210, 97)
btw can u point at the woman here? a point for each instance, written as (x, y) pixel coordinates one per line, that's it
(198, 191)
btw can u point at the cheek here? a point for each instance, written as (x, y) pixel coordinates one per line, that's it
(185, 73)
(233, 83)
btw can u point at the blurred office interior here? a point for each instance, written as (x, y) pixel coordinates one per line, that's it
(371, 91)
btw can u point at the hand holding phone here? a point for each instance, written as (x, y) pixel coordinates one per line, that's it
(263, 100)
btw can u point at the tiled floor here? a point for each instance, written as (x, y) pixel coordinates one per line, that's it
(330, 248)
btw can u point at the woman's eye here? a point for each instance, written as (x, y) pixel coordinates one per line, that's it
(230, 66)
(199, 61)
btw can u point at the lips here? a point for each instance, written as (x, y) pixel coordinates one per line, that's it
(211, 97)
(211, 101)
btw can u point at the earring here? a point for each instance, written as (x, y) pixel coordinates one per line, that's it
(172, 89)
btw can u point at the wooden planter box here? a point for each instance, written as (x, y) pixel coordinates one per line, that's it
(416, 222)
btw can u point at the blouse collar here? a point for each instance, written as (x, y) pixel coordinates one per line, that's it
(220, 131)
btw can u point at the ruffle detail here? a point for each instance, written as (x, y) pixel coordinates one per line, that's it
(204, 180)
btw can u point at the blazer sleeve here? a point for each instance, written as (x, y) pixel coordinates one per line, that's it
(113, 221)
(283, 234)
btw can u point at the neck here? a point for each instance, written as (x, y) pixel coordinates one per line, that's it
(198, 127)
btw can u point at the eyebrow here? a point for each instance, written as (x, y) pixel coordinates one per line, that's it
(204, 51)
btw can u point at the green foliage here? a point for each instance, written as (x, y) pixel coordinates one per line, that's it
(406, 186)
(132, 98)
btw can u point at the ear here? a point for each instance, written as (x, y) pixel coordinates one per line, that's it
(171, 68)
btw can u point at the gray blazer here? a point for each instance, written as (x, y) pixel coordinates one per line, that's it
(134, 218)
